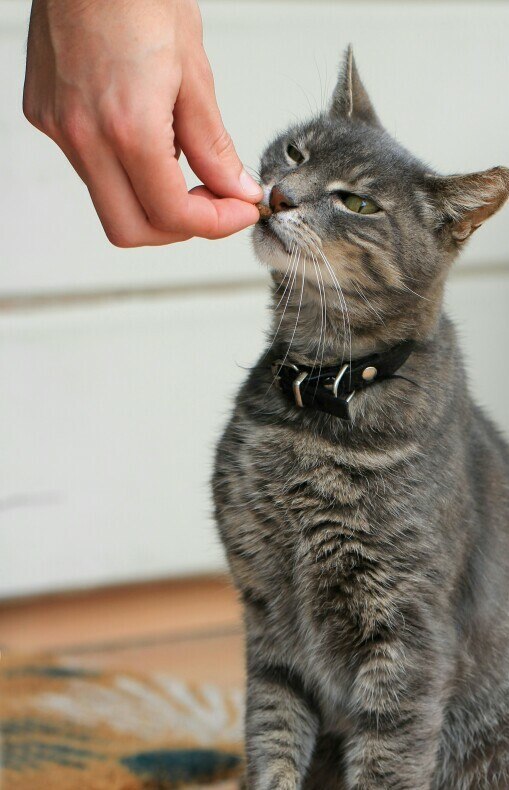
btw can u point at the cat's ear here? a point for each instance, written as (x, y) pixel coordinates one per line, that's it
(464, 202)
(350, 99)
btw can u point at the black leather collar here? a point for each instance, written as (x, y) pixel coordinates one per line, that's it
(331, 389)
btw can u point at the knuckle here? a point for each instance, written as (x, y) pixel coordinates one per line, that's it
(170, 218)
(159, 222)
(209, 229)
(75, 128)
(213, 233)
(222, 145)
(39, 119)
(122, 131)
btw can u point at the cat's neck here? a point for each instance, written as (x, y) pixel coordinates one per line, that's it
(310, 334)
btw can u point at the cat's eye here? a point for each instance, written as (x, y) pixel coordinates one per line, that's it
(294, 154)
(358, 203)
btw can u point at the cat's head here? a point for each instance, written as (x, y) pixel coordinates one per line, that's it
(354, 209)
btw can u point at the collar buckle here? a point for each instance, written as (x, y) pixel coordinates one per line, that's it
(297, 381)
(334, 386)
(302, 375)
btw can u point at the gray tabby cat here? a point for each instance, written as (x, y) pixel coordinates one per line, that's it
(371, 554)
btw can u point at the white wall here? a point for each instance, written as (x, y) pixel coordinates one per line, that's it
(105, 456)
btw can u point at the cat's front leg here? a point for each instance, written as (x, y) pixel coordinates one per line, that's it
(398, 695)
(379, 761)
(281, 728)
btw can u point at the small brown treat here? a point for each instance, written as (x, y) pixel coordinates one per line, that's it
(265, 211)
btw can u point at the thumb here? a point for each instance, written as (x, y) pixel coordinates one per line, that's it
(207, 145)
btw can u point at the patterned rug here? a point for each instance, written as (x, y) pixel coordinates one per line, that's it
(67, 728)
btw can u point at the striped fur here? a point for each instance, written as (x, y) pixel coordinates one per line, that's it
(372, 558)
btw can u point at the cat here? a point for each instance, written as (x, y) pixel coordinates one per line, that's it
(361, 496)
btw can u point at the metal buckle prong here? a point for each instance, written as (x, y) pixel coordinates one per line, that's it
(337, 380)
(296, 388)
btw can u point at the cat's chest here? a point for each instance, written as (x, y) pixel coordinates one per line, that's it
(310, 512)
(319, 531)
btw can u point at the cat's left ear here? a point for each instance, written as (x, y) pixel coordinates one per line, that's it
(464, 202)
(350, 99)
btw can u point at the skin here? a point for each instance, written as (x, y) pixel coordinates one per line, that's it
(122, 87)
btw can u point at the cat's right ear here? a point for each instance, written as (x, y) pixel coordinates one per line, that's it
(464, 202)
(350, 99)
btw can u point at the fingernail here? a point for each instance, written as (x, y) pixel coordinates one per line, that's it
(249, 186)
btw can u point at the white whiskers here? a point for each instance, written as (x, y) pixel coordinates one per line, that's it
(293, 248)
(347, 332)
(367, 302)
(298, 309)
(323, 313)
(307, 246)
(289, 285)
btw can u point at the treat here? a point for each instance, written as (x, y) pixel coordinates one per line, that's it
(265, 211)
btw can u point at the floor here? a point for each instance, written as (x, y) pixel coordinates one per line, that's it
(189, 628)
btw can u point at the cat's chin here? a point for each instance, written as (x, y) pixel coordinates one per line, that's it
(272, 253)
(270, 249)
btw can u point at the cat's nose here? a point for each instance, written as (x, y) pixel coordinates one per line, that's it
(279, 201)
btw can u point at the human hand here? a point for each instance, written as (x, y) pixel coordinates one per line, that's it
(122, 86)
